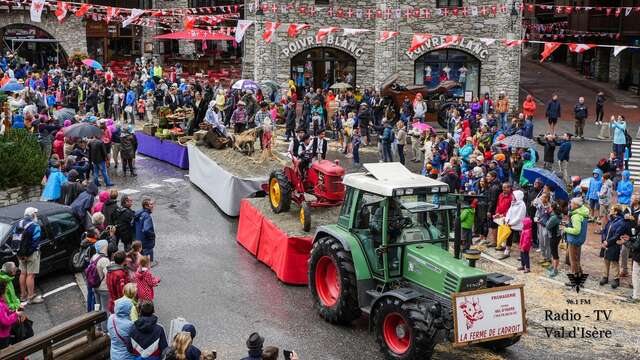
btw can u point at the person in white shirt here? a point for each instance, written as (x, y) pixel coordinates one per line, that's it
(514, 217)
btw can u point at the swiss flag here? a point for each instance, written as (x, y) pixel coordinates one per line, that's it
(269, 29)
(61, 10)
(189, 21)
(512, 43)
(83, 10)
(418, 40)
(580, 48)
(295, 29)
(323, 32)
(549, 48)
(386, 35)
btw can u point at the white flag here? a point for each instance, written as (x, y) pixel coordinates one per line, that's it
(618, 49)
(241, 28)
(135, 13)
(36, 10)
(627, 11)
(349, 31)
(487, 41)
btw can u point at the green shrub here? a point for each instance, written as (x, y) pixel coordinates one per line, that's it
(22, 162)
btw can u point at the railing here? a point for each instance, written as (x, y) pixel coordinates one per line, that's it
(71, 340)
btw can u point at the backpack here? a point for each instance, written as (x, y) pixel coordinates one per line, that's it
(19, 241)
(91, 273)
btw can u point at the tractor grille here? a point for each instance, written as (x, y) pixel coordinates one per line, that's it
(450, 283)
(334, 184)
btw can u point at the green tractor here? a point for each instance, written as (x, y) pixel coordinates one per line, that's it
(388, 257)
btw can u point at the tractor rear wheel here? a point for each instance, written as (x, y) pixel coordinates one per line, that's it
(279, 191)
(404, 330)
(501, 344)
(332, 281)
(305, 216)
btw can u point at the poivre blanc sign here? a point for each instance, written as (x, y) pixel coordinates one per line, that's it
(340, 42)
(474, 47)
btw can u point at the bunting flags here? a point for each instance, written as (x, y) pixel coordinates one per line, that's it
(487, 41)
(449, 40)
(189, 21)
(111, 12)
(580, 48)
(350, 31)
(270, 27)
(512, 43)
(241, 28)
(135, 14)
(36, 10)
(61, 10)
(386, 35)
(418, 40)
(83, 10)
(618, 49)
(295, 29)
(549, 48)
(323, 32)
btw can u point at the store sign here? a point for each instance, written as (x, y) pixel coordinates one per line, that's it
(340, 42)
(21, 33)
(474, 47)
(488, 314)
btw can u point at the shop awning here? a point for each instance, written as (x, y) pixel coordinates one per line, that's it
(195, 34)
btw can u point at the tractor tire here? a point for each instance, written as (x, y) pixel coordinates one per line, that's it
(332, 281)
(279, 192)
(404, 330)
(500, 344)
(305, 217)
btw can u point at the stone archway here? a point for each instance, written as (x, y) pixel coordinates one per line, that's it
(323, 63)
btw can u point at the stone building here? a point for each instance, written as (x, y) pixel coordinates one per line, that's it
(365, 62)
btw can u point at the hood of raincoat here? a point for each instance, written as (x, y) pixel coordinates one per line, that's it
(123, 308)
(104, 196)
(625, 174)
(518, 195)
(597, 171)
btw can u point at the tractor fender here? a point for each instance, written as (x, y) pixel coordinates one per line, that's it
(350, 244)
(402, 294)
(323, 231)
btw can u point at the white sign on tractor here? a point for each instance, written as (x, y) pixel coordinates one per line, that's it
(488, 314)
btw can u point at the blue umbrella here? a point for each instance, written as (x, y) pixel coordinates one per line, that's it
(245, 85)
(12, 86)
(548, 178)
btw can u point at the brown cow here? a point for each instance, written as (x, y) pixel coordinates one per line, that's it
(245, 141)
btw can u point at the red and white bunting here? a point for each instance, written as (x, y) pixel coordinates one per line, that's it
(241, 28)
(189, 22)
(269, 28)
(61, 10)
(323, 32)
(487, 41)
(580, 48)
(549, 48)
(449, 40)
(418, 40)
(36, 10)
(135, 14)
(295, 29)
(83, 10)
(386, 35)
(350, 31)
(111, 12)
(512, 43)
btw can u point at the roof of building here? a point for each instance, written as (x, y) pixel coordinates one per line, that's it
(15, 212)
(384, 178)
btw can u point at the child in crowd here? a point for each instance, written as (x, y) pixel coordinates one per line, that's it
(145, 280)
(355, 144)
(134, 257)
(140, 108)
(525, 245)
(467, 219)
(595, 183)
(130, 292)
(348, 133)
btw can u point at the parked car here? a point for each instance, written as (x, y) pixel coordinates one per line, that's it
(60, 239)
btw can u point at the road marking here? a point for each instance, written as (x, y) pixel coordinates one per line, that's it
(63, 287)
(129, 191)
(172, 180)
(152, 186)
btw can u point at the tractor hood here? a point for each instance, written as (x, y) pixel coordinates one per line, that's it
(434, 268)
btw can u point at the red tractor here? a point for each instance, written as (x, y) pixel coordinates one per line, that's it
(322, 183)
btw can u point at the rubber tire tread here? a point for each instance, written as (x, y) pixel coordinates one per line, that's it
(424, 336)
(346, 309)
(285, 191)
(307, 217)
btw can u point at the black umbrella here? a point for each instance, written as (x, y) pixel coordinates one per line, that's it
(82, 130)
(517, 141)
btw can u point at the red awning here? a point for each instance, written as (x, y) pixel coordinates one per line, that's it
(195, 34)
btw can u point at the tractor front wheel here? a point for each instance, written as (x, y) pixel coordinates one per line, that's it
(279, 191)
(403, 331)
(332, 281)
(305, 216)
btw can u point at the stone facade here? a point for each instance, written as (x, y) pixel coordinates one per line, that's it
(499, 65)
(19, 194)
(71, 32)
(185, 47)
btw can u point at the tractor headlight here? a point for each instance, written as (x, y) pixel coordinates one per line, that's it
(444, 189)
(408, 191)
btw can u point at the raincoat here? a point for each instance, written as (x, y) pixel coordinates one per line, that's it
(119, 326)
(10, 294)
(516, 212)
(577, 232)
(625, 188)
(53, 188)
(595, 183)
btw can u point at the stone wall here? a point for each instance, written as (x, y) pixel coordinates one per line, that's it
(602, 64)
(71, 32)
(500, 67)
(185, 47)
(19, 194)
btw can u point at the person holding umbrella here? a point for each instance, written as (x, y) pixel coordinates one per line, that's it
(98, 157)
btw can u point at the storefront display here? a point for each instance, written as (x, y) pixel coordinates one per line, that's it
(321, 67)
(437, 66)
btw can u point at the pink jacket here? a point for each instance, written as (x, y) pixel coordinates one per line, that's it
(145, 281)
(526, 235)
(102, 198)
(7, 319)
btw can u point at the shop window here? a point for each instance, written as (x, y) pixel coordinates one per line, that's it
(322, 67)
(448, 3)
(434, 68)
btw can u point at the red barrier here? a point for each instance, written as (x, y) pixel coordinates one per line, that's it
(286, 256)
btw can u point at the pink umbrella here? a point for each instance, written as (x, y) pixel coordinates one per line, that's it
(422, 126)
(92, 64)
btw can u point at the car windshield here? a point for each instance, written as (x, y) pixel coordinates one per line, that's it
(4, 231)
(426, 213)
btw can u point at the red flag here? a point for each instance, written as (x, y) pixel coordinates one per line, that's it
(418, 40)
(580, 48)
(111, 12)
(269, 29)
(83, 10)
(323, 32)
(189, 21)
(549, 48)
(295, 29)
(512, 43)
(61, 10)
(386, 35)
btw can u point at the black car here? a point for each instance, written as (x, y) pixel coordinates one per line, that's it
(60, 237)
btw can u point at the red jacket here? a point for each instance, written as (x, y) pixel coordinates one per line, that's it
(146, 282)
(529, 106)
(117, 278)
(504, 203)
(526, 236)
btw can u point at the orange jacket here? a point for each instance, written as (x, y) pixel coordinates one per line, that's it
(529, 106)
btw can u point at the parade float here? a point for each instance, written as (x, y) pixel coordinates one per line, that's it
(165, 141)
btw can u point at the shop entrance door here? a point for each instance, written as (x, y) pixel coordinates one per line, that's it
(322, 67)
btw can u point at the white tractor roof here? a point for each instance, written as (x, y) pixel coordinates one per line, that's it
(383, 178)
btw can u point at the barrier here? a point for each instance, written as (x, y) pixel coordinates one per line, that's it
(165, 150)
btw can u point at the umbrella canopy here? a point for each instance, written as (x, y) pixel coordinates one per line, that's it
(517, 141)
(245, 85)
(82, 130)
(422, 126)
(548, 178)
(195, 34)
(64, 114)
(272, 84)
(92, 64)
(341, 86)
(12, 86)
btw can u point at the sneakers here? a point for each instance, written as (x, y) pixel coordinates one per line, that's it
(498, 248)
(503, 256)
(36, 300)
(545, 264)
(551, 272)
(604, 281)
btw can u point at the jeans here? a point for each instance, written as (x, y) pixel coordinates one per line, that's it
(524, 259)
(386, 152)
(503, 120)
(543, 240)
(579, 127)
(356, 154)
(401, 153)
(599, 113)
(619, 150)
(101, 167)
